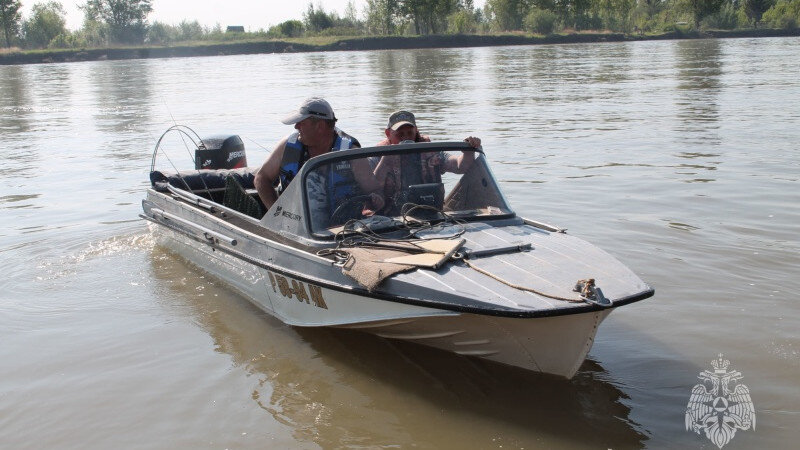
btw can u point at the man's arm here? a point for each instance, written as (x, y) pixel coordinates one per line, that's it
(462, 162)
(368, 181)
(385, 165)
(265, 177)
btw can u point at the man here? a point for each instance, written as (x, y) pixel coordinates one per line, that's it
(402, 127)
(316, 134)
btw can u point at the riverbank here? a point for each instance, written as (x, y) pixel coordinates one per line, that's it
(359, 43)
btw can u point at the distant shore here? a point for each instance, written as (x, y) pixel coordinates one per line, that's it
(358, 43)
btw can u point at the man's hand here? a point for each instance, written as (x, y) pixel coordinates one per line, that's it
(376, 203)
(473, 142)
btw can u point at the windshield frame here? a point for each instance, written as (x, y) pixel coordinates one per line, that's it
(358, 153)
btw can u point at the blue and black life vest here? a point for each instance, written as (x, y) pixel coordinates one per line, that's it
(295, 154)
(340, 179)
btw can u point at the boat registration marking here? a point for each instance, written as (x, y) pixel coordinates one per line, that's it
(290, 288)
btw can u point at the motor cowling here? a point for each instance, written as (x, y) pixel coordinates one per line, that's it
(220, 152)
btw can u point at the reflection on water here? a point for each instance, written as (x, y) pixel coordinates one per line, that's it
(122, 105)
(54, 95)
(612, 67)
(15, 101)
(16, 110)
(422, 81)
(423, 75)
(18, 201)
(320, 382)
(699, 68)
(699, 65)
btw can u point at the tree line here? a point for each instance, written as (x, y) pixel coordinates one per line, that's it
(125, 22)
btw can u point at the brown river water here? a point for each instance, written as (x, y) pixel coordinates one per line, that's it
(680, 158)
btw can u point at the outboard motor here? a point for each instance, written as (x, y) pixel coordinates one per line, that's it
(220, 152)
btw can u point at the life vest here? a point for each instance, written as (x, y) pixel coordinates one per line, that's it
(295, 154)
(341, 184)
(340, 180)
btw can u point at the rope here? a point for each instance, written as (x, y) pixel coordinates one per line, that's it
(350, 236)
(366, 237)
(525, 288)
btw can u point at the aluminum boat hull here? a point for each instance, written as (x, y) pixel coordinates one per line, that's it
(302, 289)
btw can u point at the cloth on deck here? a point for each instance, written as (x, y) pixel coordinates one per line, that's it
(366, 266)
(369, 266)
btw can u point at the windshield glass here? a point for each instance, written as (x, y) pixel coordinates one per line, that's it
(383, 185)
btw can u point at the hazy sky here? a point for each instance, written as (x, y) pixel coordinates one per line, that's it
(253, 14)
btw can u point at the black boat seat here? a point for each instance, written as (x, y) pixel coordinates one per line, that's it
(203, 181)
(233, 188)
(241, 200)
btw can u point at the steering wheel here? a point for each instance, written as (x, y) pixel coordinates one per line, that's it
(335, 219)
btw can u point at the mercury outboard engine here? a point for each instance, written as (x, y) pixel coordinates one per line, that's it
(220, 152)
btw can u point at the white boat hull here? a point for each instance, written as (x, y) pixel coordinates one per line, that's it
(555, 345)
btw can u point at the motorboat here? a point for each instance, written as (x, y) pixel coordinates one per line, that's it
(443, 262)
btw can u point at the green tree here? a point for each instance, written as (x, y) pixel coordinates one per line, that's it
(351, 14)
(10, 19)
(755, 9)
(67, 39)
(462, 22)
(507, 15)
(615, 14)
(93, 33)
(573, 13)
(465, 19)
(700, 9)
(126, 19)
(645, 14)
(161, 33)
(46, 22)
(380, 15)
(316, 19)
(191, 31)
(541, 21)
(726, 18)
(289, 28)
(427, 16)
(785, 14)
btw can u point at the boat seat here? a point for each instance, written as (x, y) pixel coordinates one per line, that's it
(202, 182)
(239, 199)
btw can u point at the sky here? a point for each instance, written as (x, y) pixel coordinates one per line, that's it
(252, 14)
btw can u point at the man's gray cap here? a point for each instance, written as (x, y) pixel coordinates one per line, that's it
(311, 107)
(400, 118)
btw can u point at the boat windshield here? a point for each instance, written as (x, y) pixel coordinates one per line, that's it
(386, 187)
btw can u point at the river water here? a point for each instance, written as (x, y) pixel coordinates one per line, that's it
(681, 158)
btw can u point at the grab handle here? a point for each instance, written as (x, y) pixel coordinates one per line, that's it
(208, 234)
